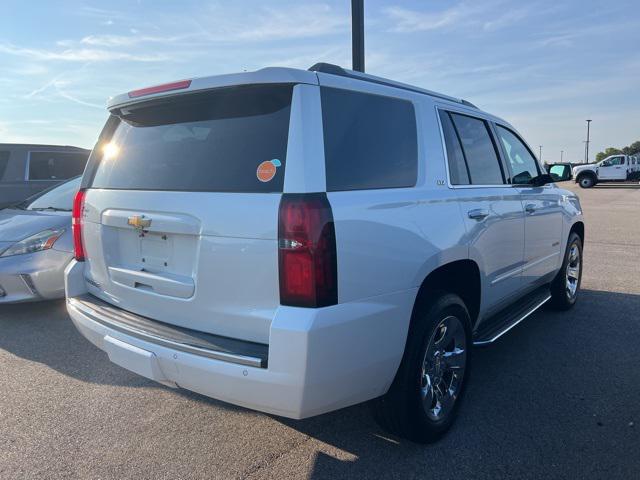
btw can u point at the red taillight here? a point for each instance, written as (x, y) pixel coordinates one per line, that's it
(307, 251)
(76, 225)
(166, 87)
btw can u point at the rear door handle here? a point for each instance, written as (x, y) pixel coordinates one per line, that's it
(529, 208)
(478, 214)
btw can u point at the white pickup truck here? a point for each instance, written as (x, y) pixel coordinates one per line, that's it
(615, 168)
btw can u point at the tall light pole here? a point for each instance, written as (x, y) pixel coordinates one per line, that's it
(357, 35)
(561, 155)
(586, 148)
(540, 156)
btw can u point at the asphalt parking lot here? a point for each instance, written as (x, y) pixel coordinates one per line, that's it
(558, 397)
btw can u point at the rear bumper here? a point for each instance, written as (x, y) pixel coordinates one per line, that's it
(319, 360)
(34, 276)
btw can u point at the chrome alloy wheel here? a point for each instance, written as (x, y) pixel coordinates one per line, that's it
(572, 275)
(443, 368)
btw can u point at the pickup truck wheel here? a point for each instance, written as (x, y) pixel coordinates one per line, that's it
(586, 181)
(424, 397)
(566, 286)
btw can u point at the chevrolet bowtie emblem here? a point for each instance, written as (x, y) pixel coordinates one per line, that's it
(139, 222)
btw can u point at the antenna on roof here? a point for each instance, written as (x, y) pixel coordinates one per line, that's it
(357, 34)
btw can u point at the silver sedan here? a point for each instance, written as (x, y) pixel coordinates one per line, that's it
(36, 244)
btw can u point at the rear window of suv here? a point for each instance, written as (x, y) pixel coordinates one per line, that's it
(370, 141)
(225, 140)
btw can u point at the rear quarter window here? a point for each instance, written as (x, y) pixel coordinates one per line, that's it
(225, 140)
(370, 141)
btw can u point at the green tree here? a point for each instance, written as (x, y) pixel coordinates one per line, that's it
(607, 153)
(634, 148)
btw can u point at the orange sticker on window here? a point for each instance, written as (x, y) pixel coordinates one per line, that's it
(266, 171)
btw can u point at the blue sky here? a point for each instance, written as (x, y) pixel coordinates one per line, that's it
(545, 66)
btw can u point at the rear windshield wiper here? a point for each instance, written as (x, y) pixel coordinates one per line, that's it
(51, 209)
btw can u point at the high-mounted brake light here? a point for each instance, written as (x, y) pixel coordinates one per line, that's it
(307, 251)
(165, 87)
(76, 225)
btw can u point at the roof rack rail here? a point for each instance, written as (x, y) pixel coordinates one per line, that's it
(343, 72)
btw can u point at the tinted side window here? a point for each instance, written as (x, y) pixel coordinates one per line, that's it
(56, 165)
(479, 151)
(458, 172)
(370, 141)
(524, 166)
(4, 161)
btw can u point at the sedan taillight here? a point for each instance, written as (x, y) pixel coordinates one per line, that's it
(76, 225)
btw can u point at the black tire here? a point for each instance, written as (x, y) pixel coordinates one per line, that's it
(586, 181)
(400, 411)
(562, 296)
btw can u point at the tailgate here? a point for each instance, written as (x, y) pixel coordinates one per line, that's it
(181, 211)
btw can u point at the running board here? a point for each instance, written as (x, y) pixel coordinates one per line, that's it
(496, 326)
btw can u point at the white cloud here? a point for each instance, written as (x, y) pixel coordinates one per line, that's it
(130, 40)
(491, 15)
(291, 22)
(566, 36)
(507, 19)
(295, 22)
(412, 21)
(73, 98)
(79, 54)
(406, 20)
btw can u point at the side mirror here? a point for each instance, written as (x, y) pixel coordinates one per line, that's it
(560, 173)
(542, 180)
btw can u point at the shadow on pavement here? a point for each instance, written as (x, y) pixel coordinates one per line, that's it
(43, 332)
(565, 384)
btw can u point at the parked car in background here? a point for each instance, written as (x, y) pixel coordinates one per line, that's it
(616, 168)
(27, 169)
(36, 245)
(300, 241)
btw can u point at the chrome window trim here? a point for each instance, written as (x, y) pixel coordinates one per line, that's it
(446, 154)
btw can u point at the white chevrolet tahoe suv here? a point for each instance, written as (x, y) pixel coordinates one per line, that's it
(300, 241)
